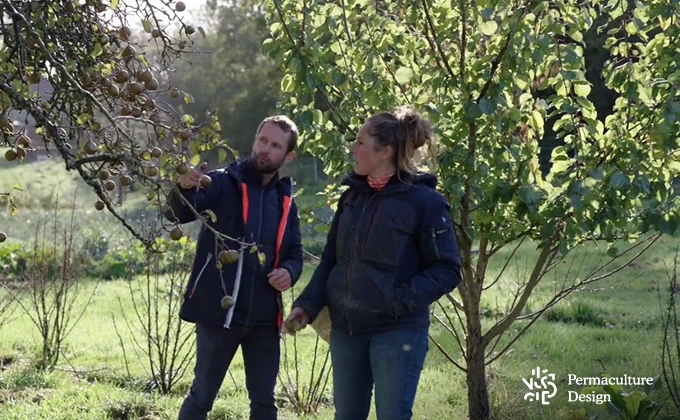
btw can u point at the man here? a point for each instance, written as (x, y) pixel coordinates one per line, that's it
(252, 204)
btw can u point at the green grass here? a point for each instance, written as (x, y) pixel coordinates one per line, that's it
(568, 339)
(615, 326)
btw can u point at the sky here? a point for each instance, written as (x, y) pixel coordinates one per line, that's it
(194, 14)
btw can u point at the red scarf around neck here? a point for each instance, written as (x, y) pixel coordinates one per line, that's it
(379, 183)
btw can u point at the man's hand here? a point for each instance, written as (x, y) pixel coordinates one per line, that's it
(297, 320)
(192, 179)
(280, 279)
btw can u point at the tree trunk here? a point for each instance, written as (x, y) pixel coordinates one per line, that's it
(478, 395)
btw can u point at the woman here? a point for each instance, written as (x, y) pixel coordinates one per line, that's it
(391, 252)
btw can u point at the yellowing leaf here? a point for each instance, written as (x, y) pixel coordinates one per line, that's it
(213, 216)
(582, 88)
(537, 119)
(147, 26)
(196, 159)
(489, 28)
(287, 83)
(403, 75)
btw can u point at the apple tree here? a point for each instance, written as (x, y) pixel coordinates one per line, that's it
(101, 97)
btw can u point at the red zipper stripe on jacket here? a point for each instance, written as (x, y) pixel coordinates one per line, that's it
(282, 228)
(244, 197)
(279, 240)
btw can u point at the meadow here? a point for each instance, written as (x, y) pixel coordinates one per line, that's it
(614, 328)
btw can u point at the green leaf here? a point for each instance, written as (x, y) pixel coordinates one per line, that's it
(597, 174)
(575, 34)
(222, 155)
(188, 99)
(612, 252)
(114, 4)
(486, 106)
(338, 78)
(147, 26)
(541, 7)
(84, 118)
(473, 111)
(321, 228)
(617, 8)
(403, 75)
(489, 28)
(619, 181)
(581, 88)
(97, 50)
(12, 207)
(529, 195)
(188, 119)
(537, 119)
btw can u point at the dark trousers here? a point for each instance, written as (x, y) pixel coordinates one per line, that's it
(391, 360)
(215, 349)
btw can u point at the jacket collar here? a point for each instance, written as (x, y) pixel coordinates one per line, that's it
(244, 172)
(401, 181)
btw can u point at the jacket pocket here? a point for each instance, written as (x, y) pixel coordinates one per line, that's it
(343, 227)
(388, 234)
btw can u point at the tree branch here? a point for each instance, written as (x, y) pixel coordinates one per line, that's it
(536, 276)
(436, 41)
(450, 359)
(38, 114)
(494, 67)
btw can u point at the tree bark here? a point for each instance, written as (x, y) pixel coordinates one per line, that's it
(478, 394)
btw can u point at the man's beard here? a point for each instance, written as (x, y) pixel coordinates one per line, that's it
(267, 168)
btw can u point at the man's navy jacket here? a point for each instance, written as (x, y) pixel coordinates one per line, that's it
(248, 211)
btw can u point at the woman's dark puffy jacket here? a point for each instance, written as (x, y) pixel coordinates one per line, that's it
(389, 255)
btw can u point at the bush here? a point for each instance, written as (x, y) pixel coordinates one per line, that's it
(12, 260)
(581, 313)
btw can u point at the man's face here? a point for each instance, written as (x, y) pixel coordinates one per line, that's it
(270, 150)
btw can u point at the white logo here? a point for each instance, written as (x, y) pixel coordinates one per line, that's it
(540, 386)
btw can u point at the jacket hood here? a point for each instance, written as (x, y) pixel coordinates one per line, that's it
(243, 171)
(426, 180)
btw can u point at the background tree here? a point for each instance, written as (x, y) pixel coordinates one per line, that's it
(490, 75)
(235, 78)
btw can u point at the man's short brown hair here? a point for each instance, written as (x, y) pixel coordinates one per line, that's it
(285, 124)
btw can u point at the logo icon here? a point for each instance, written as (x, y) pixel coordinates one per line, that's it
(539, 385)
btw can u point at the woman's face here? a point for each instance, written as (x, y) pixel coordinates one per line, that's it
(366, 158)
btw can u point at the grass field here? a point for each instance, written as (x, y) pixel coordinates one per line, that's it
(617, 328)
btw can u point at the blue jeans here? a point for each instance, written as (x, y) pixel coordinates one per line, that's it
(392, 360)
(215, 349)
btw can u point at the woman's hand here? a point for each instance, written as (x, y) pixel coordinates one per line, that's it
(297, 320)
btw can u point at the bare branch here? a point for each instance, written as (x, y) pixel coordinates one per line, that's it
(536, 276)
(507, 261)
(450, 359)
